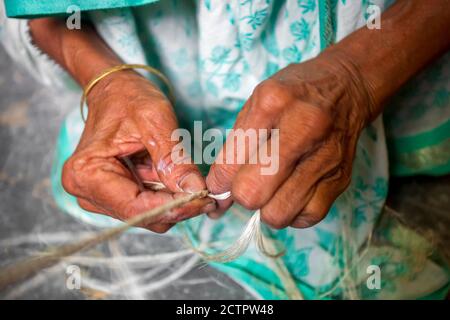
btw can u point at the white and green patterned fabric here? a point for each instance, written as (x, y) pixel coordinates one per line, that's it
(215, 53)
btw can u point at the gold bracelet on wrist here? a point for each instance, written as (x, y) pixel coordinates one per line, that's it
(121, 67)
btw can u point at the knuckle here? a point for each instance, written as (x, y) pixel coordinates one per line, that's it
(126, 212)
(82, 204)
(344, 183)
(309, 219)
(271, 96)
(219, 178)
(341, 179)
(339, 151)
(78, 171)
(247, 196)
(327, 156)
(273, 219)
(159, 228)
(68, 176)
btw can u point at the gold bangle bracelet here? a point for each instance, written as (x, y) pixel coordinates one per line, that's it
(121, 67)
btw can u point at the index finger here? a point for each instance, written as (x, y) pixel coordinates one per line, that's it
(108, 185)
(236, 152)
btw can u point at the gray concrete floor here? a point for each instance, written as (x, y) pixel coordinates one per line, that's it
(29, 220)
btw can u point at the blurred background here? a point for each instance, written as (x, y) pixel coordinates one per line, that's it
(161, 267)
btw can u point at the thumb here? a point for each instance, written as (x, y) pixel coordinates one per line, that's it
(173, 165)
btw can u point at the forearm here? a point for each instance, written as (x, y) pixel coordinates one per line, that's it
(413, 33)
(81, 52)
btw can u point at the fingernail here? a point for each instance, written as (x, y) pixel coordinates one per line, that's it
(193, 182)
(301, 223)
(210, 207)
(214, 215)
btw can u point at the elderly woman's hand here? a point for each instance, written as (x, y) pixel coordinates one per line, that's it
(320, 108)
(128, 115)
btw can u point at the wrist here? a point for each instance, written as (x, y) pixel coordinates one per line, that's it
(349, 72)
(141, 88)
(84, 63)
(116, 85)
(119, 88)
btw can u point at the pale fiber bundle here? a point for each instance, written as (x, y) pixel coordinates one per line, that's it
(252, 231)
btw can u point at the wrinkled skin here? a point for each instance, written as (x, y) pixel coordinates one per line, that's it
(128, 115)
(320, 108)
